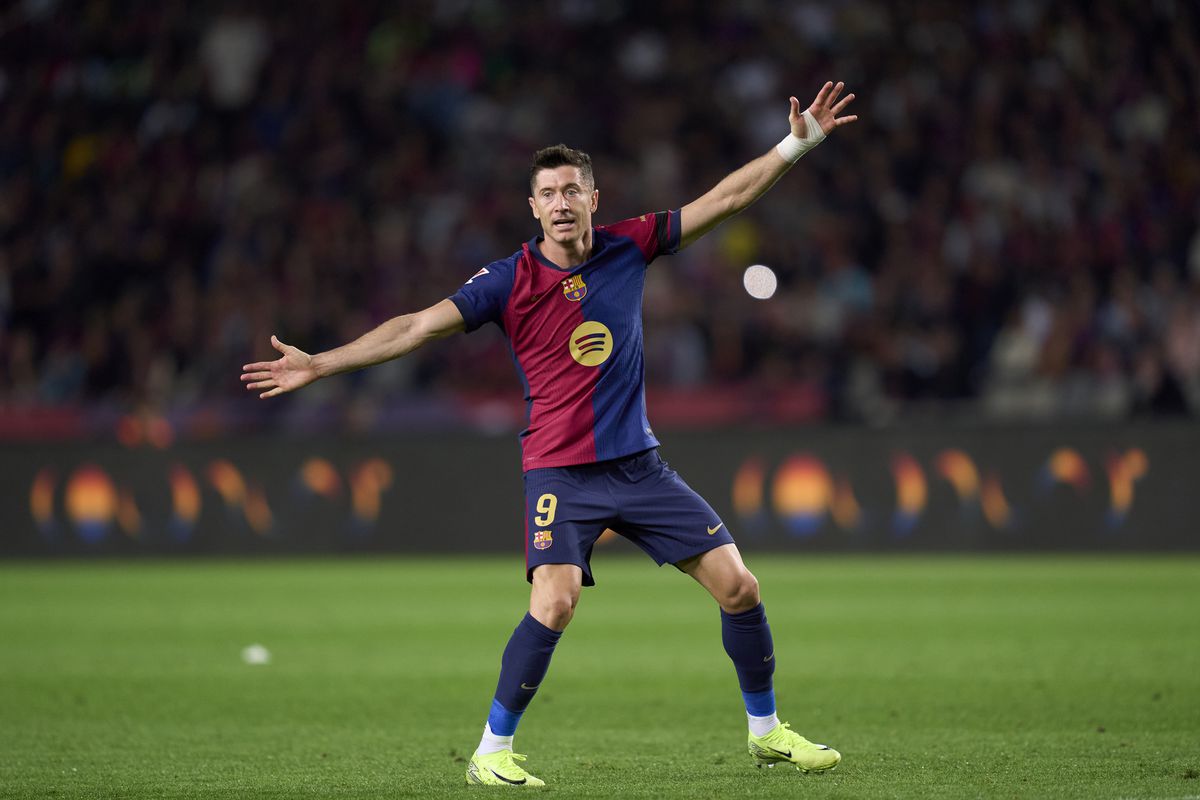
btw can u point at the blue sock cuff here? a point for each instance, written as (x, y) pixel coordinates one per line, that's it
(502, 721)
(539, 631)
(755, 616)
(760, 704)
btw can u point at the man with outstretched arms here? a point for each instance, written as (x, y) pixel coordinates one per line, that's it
(569, 302)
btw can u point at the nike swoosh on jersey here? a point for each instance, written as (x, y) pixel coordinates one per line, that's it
(711, 531)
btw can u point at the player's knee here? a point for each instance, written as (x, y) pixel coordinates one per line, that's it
(555, 611)
(741, 593)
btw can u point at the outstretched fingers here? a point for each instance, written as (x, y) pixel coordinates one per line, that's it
(258, 382)
(263, 367)
(258, 377)
(270, 385)
(273, 378)
(845, 101)
(833, 95)
(823, 95)
(827, 106)
(835, 107)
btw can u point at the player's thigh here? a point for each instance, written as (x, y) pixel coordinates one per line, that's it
(664, 516)
(564, 516)
(723, 573)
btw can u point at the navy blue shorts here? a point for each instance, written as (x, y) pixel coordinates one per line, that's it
(638, 496)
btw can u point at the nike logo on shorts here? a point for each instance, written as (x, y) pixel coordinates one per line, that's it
(711, 531)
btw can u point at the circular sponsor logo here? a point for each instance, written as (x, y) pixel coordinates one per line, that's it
(591, 344)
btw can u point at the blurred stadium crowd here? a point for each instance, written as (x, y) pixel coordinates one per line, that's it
(1012, 230)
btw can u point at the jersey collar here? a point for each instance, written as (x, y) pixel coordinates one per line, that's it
(535, 248)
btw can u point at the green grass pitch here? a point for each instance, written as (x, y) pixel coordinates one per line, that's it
(938, 677)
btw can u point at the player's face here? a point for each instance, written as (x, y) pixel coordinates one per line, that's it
(564, 204)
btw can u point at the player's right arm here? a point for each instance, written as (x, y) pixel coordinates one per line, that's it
(394, 338)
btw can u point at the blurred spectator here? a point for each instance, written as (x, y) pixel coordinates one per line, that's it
(1012, 230)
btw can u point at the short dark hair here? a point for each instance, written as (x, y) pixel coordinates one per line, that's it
(560, 155)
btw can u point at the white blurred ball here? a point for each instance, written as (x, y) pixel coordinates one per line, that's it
(760, 281)
(256, 654)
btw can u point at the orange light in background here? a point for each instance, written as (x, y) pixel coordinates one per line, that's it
(319, 476)
(258, 513)
(1123, 472)
(41, 498)
(749, 484)
(995, 505)
(91, 494)
(958, 468)
(1065, 465)
(912, 492)
(185, 494)
(228, 482)
(367, 482)
(91, 501)
(801, 493)
(844, 508)
(128, 516)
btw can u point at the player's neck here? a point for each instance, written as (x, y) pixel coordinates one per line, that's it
(568, 254)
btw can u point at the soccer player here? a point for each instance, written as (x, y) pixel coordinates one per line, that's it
(569, 302)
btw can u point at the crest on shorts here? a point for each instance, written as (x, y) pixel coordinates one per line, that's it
(574, 288)
(542, 539)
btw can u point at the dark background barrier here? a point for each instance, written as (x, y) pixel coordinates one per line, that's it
(936, 488)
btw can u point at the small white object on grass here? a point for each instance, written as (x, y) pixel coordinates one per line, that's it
(256, 654)
(760, 281)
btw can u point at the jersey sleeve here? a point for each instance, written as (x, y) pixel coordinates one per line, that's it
(655, 234)
(483, 297)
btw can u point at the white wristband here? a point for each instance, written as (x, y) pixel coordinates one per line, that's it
(792, 146)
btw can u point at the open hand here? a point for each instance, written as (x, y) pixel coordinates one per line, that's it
(825, 109)
(291, 372)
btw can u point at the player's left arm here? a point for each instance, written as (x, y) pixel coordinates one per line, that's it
(742, 187)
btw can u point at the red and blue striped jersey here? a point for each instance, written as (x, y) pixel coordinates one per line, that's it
(576, 339)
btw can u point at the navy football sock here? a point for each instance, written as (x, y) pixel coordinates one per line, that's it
(522, 667)
(747, 640)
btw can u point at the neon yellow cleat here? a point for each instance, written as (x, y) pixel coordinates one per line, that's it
(784, 744)
(499, 769)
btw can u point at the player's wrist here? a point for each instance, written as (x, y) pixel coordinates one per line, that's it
(793, 147)
(320, 366)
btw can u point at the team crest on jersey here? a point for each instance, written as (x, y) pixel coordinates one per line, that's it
(542, 539)
(574, 288)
